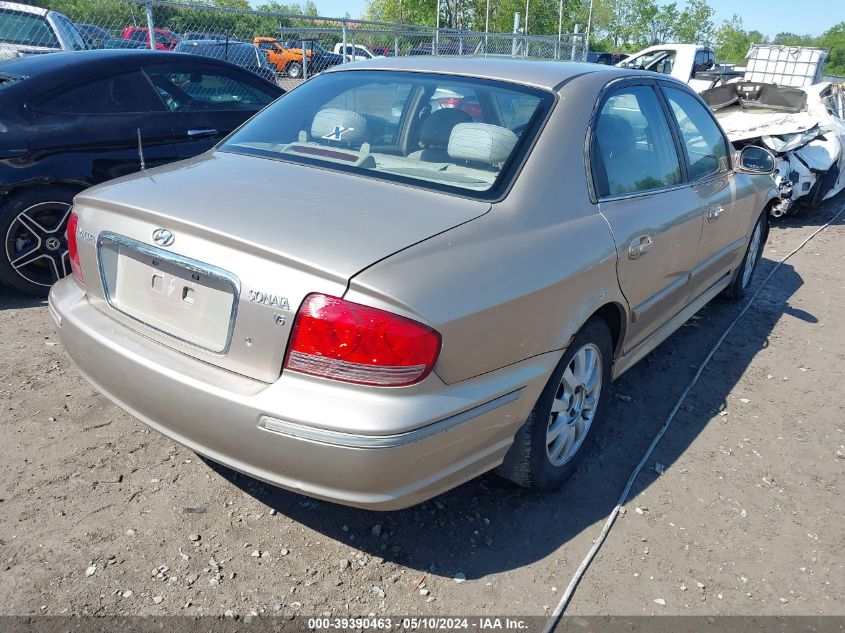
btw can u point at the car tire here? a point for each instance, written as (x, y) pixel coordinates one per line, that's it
(33, 226)
(744, 273)
(294, 70)
(548, 447)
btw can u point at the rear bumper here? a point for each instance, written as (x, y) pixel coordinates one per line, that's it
(367, 447)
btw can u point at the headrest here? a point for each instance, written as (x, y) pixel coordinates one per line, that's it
(615, 135)
(340, 126)
(481, 142)
(437, 128)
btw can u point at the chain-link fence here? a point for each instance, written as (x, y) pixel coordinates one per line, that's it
(292, 46)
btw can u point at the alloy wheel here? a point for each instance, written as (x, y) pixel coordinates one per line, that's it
(36, 243)
(574, 405)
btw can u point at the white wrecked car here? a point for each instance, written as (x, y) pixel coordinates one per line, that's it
(803, 126)
(775, 98)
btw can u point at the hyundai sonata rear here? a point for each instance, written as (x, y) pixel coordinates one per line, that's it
(210, 298)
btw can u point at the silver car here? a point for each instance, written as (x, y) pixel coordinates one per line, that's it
(372, 292)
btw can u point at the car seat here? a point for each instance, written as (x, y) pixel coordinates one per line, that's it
(435, 134)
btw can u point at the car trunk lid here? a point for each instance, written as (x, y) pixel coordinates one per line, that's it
(214, 255)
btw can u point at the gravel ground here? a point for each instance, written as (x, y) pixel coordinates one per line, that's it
(98, 515)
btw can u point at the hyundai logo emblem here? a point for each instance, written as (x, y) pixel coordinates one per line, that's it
(163, 237)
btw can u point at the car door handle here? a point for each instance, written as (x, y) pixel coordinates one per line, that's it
(200, 132)
(714, 212)
(640, 245)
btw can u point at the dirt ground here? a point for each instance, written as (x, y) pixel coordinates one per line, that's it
(98, 515)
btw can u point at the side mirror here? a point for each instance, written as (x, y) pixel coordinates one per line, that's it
(623, 64)
(756, 160)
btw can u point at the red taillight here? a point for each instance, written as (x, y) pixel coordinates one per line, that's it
(72, 249)
(347, 341)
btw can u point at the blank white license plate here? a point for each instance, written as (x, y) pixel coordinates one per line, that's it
(188, 300)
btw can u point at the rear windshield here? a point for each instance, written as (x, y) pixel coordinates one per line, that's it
(26, 28)
(435, 131)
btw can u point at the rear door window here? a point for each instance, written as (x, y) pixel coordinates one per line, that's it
(198, 88)
(115, 94)
(633, 150)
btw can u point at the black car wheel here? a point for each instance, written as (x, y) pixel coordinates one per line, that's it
(33, 224)
(294, 70)
(744, 273)
(547, 448)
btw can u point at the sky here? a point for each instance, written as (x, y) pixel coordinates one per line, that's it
(767, 16)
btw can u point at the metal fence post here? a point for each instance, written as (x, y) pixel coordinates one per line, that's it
(148, 5)
(304, 62)
(559, 27)
(396, 46)
(345, 56)
(575, 40)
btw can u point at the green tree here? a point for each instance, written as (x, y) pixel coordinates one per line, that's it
(731, 40)
(793, 39)
(834, 41)
(695, 23)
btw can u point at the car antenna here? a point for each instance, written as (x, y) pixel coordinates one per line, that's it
(141, 151)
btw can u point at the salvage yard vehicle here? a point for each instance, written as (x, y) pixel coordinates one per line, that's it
(72, 120)
(287, 61)
(319, 59)
(354, 52)
(247, 56)
(804, 126)
(165, 40)
(327, 304)
(28, 30)
(97, 37)
(776, 99)
(691, 63)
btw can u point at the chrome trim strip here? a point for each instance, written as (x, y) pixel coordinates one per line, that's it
(352, 440)
(647, 192)
(662, 294)
(716, 256)
(179, 260)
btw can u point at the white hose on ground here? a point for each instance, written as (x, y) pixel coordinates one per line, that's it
(608, 524)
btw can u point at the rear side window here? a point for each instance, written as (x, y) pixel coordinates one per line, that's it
(117, 94)
(27, 29)
(516, 109)
(633, 150)
(201, 89)
(705, 147)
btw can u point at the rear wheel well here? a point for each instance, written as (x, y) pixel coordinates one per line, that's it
(614, 316)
